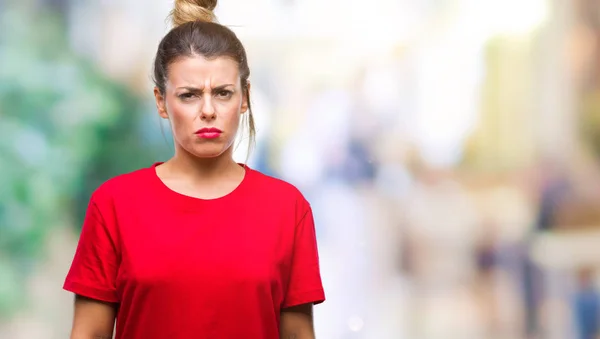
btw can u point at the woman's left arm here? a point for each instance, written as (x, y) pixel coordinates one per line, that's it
(304, 287)
(297, 322)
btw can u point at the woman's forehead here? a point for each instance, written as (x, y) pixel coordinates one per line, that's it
(198, 70)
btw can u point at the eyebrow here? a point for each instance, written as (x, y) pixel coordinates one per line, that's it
(196, 89)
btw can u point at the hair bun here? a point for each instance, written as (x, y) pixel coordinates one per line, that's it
(193, 10)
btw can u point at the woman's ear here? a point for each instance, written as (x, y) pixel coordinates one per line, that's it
(246, 98)
(161, 104)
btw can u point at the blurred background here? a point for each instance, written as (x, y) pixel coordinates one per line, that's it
(450, 150)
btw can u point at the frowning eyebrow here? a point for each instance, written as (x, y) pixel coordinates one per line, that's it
(196, 89)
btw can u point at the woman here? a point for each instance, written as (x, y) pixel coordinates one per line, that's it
(198, 246)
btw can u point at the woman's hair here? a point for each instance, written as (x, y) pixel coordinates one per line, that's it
(196, 33)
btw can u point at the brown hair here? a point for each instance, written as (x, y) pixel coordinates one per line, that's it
(195, 32)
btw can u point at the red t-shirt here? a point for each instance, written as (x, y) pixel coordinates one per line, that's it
(182, 267)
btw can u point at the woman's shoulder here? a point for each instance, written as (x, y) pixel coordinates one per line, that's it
(123, 184)
(277, 187)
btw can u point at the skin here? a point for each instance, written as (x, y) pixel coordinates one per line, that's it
(199, 93)
(297, 323)
(93, 319)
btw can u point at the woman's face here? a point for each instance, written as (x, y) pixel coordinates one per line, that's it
(203, 101)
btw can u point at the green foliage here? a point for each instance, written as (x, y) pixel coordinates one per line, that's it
(64, 128)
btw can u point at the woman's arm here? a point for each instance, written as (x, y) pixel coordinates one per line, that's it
(93, 319)
(297, 322)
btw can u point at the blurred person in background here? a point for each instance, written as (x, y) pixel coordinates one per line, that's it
(197, 246)
(486, 267)
(586, 305)
(553, 188)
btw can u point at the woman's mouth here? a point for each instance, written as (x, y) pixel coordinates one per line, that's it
(209, 133)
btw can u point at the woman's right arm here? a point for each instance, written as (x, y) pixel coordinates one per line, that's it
(93, 319)
(93, 273)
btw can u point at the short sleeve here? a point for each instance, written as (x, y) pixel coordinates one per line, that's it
(94, 268)
(304, 285)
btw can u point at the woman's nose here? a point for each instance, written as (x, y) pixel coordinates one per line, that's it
(207, 111)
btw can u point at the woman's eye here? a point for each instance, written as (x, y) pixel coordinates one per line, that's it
(186, 95)
(224, 94)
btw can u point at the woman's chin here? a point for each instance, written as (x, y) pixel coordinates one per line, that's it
(206, 150)
(208, 153)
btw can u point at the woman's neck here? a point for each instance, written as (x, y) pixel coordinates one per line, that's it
(204, 169)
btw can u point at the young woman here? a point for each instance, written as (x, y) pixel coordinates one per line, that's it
(198, 246)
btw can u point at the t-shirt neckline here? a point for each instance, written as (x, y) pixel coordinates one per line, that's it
(186, 199)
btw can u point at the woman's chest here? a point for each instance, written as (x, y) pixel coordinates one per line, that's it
(204, 249)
